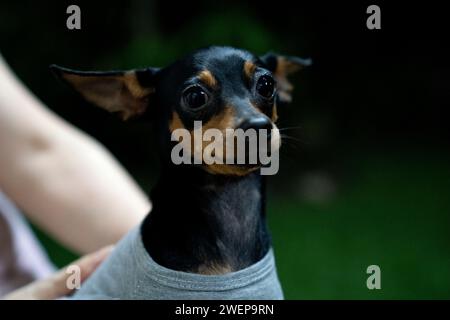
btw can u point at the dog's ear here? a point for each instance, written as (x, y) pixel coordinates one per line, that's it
(282, 66)
(125, 92)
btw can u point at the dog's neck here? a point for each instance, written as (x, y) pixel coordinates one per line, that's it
(206, 223)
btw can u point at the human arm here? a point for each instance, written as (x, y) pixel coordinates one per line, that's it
(65, 181)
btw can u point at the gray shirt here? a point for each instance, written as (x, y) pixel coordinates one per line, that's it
(130, 273)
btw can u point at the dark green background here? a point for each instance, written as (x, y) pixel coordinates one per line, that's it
(365, 175)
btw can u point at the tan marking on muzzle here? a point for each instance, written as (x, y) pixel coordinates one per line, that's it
(175, 122)
(274, 113)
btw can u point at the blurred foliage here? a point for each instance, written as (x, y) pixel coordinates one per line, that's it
(386, 218)
(218, 28)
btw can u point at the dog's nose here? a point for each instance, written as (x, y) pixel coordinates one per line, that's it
(257, 123)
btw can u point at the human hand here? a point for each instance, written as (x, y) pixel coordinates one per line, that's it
(55, 286)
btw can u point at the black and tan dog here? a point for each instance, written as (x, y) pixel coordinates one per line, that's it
(206, 219)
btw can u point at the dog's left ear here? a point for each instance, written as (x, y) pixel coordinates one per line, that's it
(283, 66)
(125, 92)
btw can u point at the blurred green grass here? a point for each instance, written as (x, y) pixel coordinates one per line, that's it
(393, 213)
(396, 215)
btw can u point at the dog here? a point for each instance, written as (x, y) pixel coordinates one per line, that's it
(206, 236)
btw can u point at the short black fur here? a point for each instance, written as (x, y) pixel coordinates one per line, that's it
(201, 221)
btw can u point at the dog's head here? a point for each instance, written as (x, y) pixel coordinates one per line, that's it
(223, 87)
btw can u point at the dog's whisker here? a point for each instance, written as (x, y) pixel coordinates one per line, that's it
(283, 136)
(290, 128)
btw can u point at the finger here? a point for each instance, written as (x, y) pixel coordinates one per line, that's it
(89, 263)
(86, 265)
(56, 285)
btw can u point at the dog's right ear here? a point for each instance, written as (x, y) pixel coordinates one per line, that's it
(283, 66)
(126, 92)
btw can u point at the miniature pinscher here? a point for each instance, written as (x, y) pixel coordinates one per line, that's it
(206, 219)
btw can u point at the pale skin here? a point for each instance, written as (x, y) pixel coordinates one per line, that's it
(55, 286)
(63, 180)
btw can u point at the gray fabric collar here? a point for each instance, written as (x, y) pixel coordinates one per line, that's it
(192, 281)
(130, 273)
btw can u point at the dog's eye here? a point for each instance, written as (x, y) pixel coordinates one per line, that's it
(195, 97)
(265, 86)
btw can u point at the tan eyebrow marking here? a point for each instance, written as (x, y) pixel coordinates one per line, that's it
(207, 77)
(249, 69)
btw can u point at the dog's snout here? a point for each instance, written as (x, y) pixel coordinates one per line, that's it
(257, 123)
